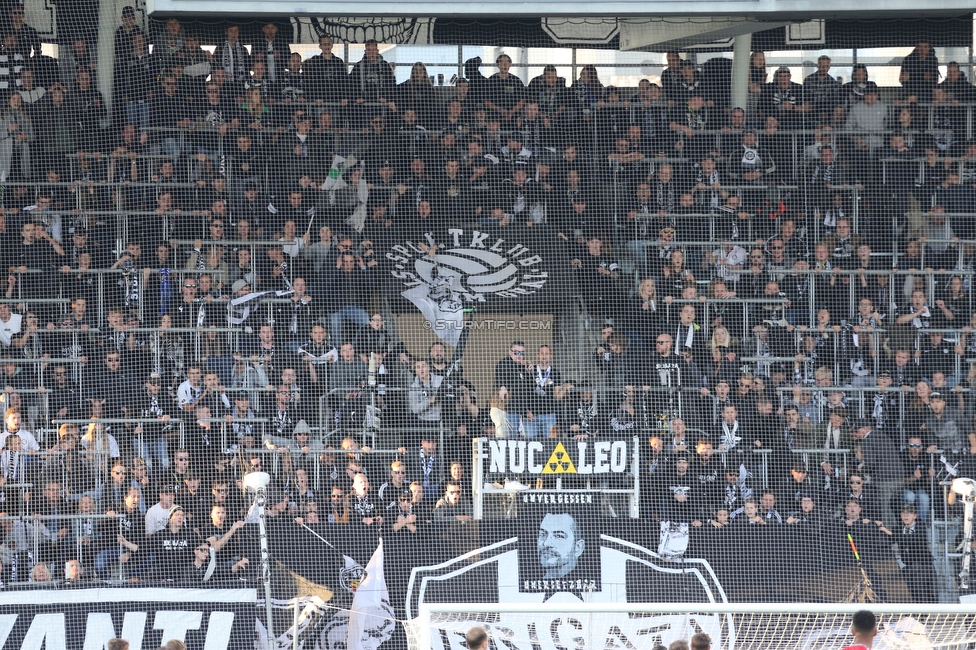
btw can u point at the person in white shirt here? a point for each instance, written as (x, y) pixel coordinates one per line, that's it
(9, 325)
(157, 517)
(190, 391)
(292, 245)
(98, 439)
(13, 420)
(727, 260)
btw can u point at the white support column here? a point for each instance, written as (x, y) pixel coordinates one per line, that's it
(477, 478)
(109, 17)
(741, 52)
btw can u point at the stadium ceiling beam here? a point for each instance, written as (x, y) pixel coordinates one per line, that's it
(758, 9)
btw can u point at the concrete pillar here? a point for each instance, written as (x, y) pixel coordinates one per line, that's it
(741, 52)
(109, 17)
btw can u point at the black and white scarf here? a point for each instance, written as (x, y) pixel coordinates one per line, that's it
(730, 437)
(879, 411)
(666, 197)
(708, 180)
(232, 60)
(586, 415)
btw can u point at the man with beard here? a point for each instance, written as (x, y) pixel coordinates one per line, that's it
(690, 336)
(707, 474)
(560, 545)
(437, 358)
(549, 389)
(670, 372)
(943, 427)
(681, 493)
(513, 384)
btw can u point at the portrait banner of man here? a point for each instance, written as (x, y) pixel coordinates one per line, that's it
(558, 547)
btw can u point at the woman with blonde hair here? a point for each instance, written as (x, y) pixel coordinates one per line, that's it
(644, 316)
(101, 444)
(723, 342)
(724, 352)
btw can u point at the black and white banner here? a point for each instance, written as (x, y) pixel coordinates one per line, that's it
(76, 619)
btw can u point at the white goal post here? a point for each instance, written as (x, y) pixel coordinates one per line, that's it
(741, 626)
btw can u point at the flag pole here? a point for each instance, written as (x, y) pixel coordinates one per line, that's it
(459, 350)
(258, 481)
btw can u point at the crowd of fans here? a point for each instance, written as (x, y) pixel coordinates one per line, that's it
(197, 277)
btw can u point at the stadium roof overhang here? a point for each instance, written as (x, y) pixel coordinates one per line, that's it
(765, 10)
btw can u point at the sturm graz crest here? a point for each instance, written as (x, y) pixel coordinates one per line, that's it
(474, 264)
(351, 575)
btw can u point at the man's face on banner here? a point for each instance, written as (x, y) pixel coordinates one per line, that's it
(560, 545)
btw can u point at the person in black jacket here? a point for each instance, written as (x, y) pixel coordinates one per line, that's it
(920, 72)
(372, 79)
(172, 547)
(956, 86)
(348, 293)
(326, 76)
(513, 383)
(294, 320)
(880, 460)
(28, 40)
(915, 554)
(784, 100)
(667, 373)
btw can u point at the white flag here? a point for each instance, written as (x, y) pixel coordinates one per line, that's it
(371, 620)
(441, 306)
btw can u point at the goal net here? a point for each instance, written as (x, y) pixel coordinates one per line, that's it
(636, 626)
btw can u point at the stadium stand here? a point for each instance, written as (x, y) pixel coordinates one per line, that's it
(769, 306)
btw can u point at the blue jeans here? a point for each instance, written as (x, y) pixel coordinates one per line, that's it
(356, 315)
(95, 494)
(539, 428)
(148, 450)
(921, 500)
(513, 426)
(169, 147)
(212, 154)
(798, 316)
(137, 114)
(136, 565)
(172, 147)
(293, 346)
